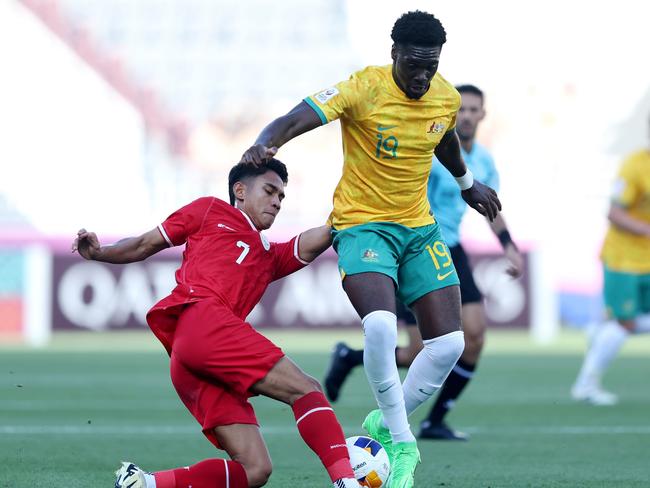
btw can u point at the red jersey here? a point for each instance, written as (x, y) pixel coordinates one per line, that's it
(225, 259)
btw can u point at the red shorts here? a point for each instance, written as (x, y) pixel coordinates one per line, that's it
(216, 358)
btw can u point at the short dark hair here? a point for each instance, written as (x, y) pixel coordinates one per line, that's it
(419, 29)
(471, 89)
(241, 171)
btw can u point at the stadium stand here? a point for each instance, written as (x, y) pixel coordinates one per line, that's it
(197, 57)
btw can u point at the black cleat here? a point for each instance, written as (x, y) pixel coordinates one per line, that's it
(339, 369)
(440, 432)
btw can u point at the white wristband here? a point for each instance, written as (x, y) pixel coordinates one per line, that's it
(466, 181)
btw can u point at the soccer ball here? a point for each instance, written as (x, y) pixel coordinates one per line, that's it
(369, 461)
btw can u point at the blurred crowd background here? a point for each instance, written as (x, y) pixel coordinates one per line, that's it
(113, 113)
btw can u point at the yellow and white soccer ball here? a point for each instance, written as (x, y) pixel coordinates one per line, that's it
(369, 461)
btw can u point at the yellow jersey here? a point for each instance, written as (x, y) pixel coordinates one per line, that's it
(388, 143)
(622, 250)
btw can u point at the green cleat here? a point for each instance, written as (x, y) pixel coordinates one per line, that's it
(373, 424)
(402, 469)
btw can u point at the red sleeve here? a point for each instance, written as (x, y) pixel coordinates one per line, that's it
(185, 221)
(286, 258)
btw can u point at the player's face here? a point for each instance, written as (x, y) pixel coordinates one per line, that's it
(262, 199)
(469, 116)
(414, 67)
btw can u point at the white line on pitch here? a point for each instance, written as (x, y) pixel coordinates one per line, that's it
(286, 430)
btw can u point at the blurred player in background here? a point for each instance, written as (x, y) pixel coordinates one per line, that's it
(393, 119)
(626, 265)
(217, 359)
(446, 201)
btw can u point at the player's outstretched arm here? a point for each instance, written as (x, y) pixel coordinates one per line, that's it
(313, 242)
(127, 250)
(621, 218)
(302, 118)
(480, 197)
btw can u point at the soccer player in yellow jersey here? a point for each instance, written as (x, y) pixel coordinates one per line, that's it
(626, 263)
(393, 119)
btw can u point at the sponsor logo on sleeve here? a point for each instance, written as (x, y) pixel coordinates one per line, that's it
(326, 95)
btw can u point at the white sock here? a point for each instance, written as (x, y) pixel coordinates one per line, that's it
(604, 346)
(380, 340)
(431, 367)
(150, 480)
(346, 483)
(642, 324)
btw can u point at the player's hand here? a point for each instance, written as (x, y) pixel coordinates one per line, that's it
(257, 154)
(86, 244)
(483, 199)
(515, 261)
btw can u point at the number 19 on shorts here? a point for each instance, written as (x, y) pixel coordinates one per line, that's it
(439, 255)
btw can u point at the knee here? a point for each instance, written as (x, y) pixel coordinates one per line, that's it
(380, 329)
(258, 472)
(312, 384)
(306, 385)
(446, 348)
(457, 338)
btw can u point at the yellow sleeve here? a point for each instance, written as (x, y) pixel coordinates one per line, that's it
(334, 102)
(452, 123)
(626, 189)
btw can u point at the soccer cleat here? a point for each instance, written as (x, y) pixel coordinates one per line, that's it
(402, 471)
(346, 483)
(338, 370)
(373, 424)
(441, 432)
(593, 394)
(130, 476)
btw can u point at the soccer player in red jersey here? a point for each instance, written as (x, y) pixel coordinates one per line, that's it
(217, 359)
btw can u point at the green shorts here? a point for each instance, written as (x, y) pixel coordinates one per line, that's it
(417, 259)
(627, 295)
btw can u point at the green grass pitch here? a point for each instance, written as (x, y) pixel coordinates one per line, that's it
(71, 412)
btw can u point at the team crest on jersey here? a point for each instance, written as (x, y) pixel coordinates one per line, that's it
(265, 242)
(370, 256)
(325, 95)
(436, 128)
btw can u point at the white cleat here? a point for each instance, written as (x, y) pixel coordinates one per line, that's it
(130, 476)
(594, 395)
(346, 483)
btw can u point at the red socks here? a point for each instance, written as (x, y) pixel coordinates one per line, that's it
(211, 473)
(321, 431)
(319, 428)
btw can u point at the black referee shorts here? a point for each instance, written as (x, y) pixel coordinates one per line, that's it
(469, 292)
